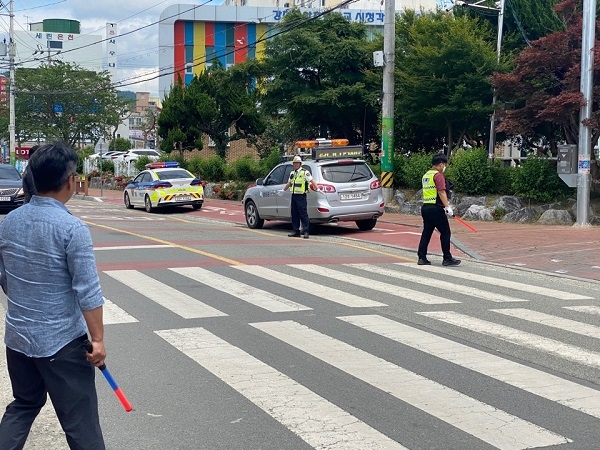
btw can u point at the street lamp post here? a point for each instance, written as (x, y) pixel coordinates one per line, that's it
(499, 8)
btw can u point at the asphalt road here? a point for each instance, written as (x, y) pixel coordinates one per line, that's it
(228, 338)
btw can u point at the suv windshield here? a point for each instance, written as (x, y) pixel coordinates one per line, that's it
(346, 173)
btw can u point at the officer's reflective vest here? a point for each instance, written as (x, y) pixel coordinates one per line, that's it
(429, 189)
(299, 183)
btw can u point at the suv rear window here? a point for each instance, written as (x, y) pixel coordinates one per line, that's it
(346, 173)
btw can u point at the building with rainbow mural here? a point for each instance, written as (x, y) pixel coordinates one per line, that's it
(190, 37)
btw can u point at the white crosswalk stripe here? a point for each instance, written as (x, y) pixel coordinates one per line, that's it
(523, 377)
(252, 295)
(389, 289)
(587, 309)
(327, 293)
(483, 421)
(439, 284)
(522, 338)
(169, 298)
(314, 419)
(549, 320)
(547, 292)
(113, 314)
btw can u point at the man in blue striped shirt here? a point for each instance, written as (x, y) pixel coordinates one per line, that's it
(48, 273)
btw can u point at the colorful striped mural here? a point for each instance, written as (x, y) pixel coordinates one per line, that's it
(198, 43)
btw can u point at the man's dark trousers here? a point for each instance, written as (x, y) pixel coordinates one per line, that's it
(434, 217)
(69, 380)
(299, 213)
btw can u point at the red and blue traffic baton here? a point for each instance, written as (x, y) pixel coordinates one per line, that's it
(111, 381)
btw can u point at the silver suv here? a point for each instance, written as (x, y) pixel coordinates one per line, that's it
(348, 191)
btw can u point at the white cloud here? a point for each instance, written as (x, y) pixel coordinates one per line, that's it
(137, 52)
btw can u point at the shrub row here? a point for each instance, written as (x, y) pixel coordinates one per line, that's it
(472, 174)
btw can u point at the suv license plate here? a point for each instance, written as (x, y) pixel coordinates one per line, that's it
(4, 199)
(182, 198)
(350, 196)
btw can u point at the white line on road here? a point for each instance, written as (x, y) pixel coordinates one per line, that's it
(439, 284)
(317, 421)
(387, 288)
(133, 247)
(318, 290)
(535, 381)
(561, 323)
(522, 338)
(181, 304)
(245, 292)
(112, 314)
(547, 292)
(485, 422)
(595, 310)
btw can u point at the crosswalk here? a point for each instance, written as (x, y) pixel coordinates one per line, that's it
(559, 324)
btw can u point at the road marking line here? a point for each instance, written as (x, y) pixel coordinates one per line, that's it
(133, 247)
(387, 288)
(522, 338)
(485, 422)
(245, 292)
(162, 241)
(181, 304)
(545, 385)
(314, 419)
(112, 314)
(561, 323)
(318, 290)
(585, 309)
(439, 284)
(547, 292)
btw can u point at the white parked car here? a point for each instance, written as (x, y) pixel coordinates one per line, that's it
(133, 155)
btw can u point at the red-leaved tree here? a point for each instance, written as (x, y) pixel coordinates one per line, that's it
(544, 86)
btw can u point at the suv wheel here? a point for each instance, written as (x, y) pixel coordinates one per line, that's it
(253, 220)
(366, 225)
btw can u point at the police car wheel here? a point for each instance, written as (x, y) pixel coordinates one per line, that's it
(366, 225)
(148, 204)
(127, 201)
(253, 220)
(197, 205)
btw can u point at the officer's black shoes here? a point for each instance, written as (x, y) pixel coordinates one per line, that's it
(423, 262)
(451, 262)
(305, 235)
(294, 235)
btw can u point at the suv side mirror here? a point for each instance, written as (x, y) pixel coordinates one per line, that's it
(260, 181)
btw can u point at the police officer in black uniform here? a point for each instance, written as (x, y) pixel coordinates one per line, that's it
(298, 183)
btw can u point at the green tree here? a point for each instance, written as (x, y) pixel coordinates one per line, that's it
(61, 101)
(443, 92)
(174, 124)
(119, 144)
(318, 74)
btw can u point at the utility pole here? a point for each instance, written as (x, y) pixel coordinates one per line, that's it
(499, 8)
(11, 85)
(492, 142)
(587, 83)
(387, 116)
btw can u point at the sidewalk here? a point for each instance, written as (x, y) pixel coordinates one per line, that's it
(566, 250)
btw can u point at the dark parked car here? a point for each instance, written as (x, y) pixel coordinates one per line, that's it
(11, 187)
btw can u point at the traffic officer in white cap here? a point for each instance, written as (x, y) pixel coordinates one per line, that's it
(299, 182)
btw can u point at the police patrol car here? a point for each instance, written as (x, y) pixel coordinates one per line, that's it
(347, 188)
(164, 184)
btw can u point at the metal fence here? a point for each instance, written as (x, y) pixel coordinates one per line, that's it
(122, 168)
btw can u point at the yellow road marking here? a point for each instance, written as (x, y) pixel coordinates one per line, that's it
(162, 241)
(232, 261)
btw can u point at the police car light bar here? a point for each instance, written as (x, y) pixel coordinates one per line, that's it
(162, 165)
(322, 143)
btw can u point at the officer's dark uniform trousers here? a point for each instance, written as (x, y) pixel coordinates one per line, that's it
(65, 375)
(299, 212)
(434, 217)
